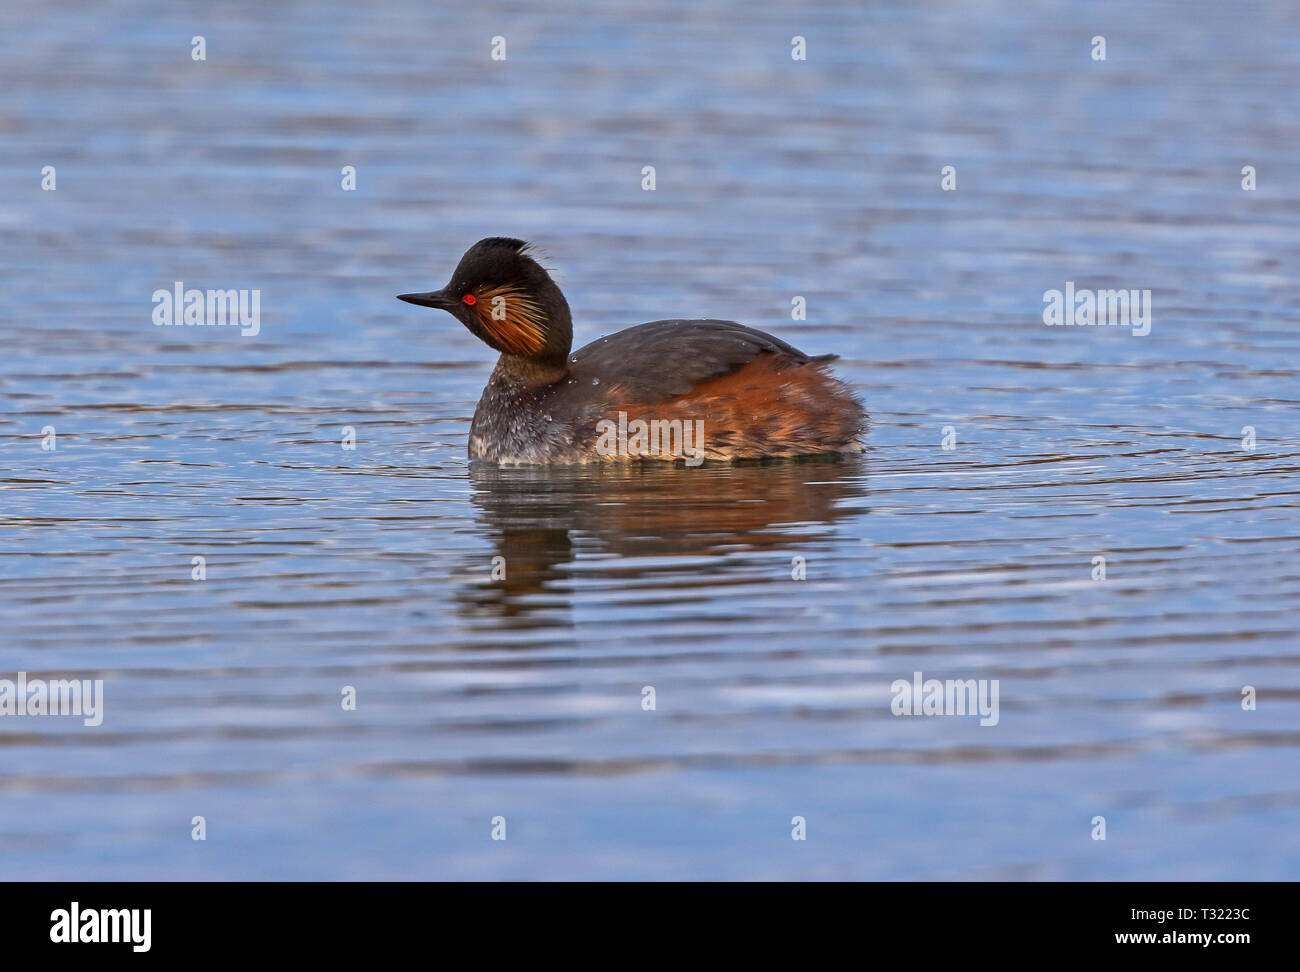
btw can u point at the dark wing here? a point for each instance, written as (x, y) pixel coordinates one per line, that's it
(654, 361)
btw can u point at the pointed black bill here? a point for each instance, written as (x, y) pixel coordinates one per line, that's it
(435, 298)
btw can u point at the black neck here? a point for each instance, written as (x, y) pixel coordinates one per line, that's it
(531, 372)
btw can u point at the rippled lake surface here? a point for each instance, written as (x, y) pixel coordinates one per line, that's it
(522, 698)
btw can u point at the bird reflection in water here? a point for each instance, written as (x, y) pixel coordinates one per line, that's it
(639, 517)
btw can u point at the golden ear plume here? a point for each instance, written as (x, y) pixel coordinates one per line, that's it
(513, 319)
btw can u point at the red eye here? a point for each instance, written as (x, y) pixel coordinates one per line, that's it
(469, 299)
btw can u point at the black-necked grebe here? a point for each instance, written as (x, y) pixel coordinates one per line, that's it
(677, 389)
